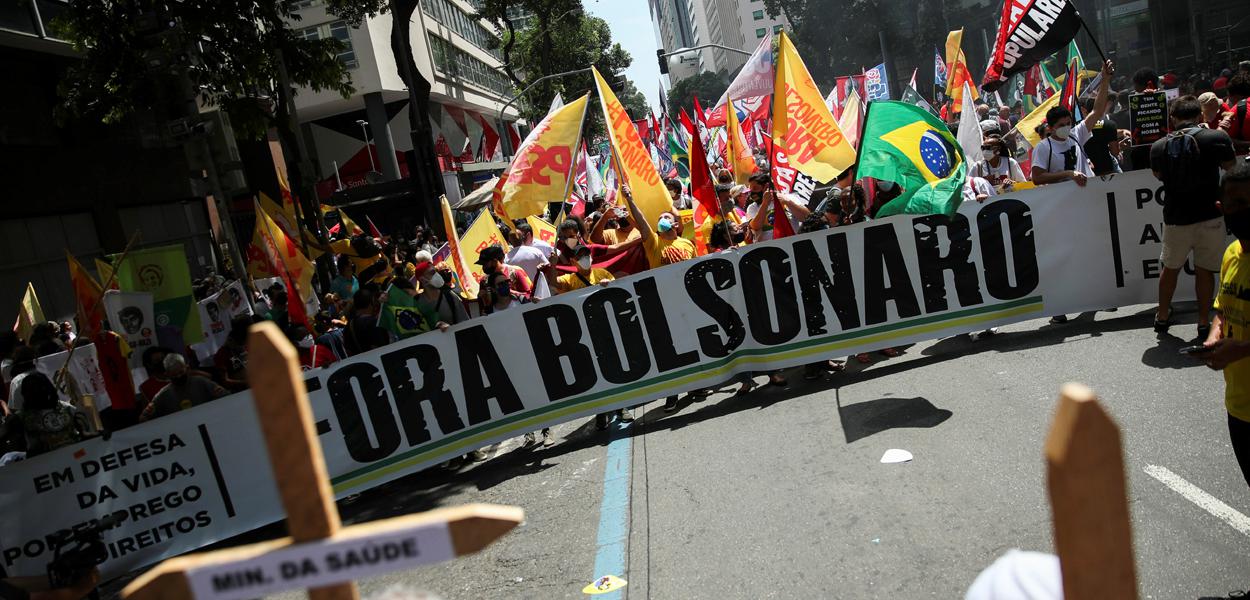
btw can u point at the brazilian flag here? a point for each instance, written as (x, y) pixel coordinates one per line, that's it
(402, 317)
(910, 146)
(681, 156)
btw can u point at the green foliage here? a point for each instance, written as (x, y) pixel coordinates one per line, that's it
(138, 60)
(707, 86)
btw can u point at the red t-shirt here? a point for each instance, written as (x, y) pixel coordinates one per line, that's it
(316, 357)
(111, 357)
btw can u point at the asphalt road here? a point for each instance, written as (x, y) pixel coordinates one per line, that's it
(780, 493)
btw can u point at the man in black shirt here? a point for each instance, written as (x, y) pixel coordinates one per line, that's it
(1188, 162)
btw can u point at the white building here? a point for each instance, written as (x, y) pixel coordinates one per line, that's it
(690, 23)
(451, 52)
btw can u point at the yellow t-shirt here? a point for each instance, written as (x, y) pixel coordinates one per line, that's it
(344, 247)
(1233, 302)
(611, 238)
(570, 281)
(666, 252)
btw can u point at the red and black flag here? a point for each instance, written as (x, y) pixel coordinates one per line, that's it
(1029, 31)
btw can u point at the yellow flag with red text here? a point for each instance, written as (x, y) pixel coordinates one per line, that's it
(743, 163)
(543, 231)
(957, 68)
(803, 127)
(482, 233)
(459, 264)
(269, 240)
(87, 294)
(544, 163)
(634, 166)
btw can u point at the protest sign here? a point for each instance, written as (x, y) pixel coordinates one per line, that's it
(193, 478)
(1028, 32)
(876, 83)
(164, 272)
(217, 310)
(84, 367)
(1148, 116)
(130, 314)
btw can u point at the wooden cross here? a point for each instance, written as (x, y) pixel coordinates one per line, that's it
(319, 554)
(1085, 473)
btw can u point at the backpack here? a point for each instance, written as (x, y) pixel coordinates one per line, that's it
(1183, 169)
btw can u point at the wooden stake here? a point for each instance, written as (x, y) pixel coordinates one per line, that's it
(334, 556)
(1085, 473)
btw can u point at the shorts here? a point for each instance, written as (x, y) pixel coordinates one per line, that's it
(1205, 239)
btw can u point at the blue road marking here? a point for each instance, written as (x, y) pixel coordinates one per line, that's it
(613, 541)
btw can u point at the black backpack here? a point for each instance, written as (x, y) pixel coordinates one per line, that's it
(1183, 169)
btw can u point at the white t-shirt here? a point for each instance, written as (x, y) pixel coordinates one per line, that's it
(767, 233)
(1007, 170)
(1055, 156)
(528, 258)
(975, 186)
(544, 247)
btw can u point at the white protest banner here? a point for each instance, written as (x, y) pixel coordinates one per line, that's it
(130, 314)
(216, 312)
(393, 411)
(84, 367)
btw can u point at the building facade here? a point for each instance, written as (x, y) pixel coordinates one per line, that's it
(363, 139)
(737, 24)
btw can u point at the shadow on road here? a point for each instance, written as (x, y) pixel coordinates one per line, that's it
(863, 419)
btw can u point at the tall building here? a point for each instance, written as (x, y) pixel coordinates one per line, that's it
(737, 24)
(469, 88)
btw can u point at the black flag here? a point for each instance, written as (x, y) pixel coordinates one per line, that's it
(1030, 30)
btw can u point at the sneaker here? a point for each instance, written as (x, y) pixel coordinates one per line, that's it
(991, 331)
(746, 388)
(670, 405)
(624, 416)
(974, 336)
(548, 441)
(1162, 326)
(478, 455)
(601, 422)
(529, 440)
(1055, 320)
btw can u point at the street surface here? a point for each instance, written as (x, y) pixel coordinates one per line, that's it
(780, 494)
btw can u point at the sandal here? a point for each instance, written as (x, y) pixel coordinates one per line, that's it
(892, 352)
(863, 358)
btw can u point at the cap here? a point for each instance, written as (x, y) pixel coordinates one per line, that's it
(489, 253)
(1170, 80)
(1208, 97)
(738, 189)
(419, 269)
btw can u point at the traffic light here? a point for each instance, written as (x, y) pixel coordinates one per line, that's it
(618, 82)
(659, 54)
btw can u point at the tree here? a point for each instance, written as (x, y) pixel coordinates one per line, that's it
(634, 101)
(707, 86)
(145, 61)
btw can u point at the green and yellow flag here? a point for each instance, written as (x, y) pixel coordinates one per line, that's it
(402, 317)
(906, 144)
(164, 272)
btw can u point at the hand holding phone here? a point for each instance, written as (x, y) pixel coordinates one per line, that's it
(1195, 349)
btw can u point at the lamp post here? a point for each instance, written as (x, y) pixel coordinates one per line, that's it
(364, 130)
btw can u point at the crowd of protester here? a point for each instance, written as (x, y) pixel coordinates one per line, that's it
(612, 238)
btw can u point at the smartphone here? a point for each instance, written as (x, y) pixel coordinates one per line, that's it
(1195, 349)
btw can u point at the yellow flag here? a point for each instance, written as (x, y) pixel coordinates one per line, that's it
(1028, 125)
(105, 270)
(89, 310)
(348, 224)
(803, 127)
(468, 283)
(268, 235)
(482, 233)
(633, 160)
(957, 69)
(736, 146)
(543, 231)
(543, 165)
(284, 218)
(29, 313)
(852, 117)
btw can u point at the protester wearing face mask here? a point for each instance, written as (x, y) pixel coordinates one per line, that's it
(997, 166)
(184, 390)
(585, 276)
(492, 258)
(435, 298)
(1229, 340)
(663, 245)
(1061, 157)
(496, 294)
(311, 354)
(624, 231)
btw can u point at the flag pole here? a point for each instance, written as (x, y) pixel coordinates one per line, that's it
(1092, 38)
(577, 155)
(862, 127)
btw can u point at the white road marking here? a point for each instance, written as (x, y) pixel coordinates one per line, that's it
(1205, 501)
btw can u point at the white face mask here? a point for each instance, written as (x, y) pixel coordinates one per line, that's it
(988, 154)
(584, 262)
(570, 243)
(306, 342)
(436, 281)
(1063, 131)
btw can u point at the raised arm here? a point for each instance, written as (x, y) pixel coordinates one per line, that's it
(799, 209)
(640, 220)
(596, 232)
(1100, 103)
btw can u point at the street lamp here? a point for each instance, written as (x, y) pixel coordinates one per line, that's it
(663, 56)
(364, 130)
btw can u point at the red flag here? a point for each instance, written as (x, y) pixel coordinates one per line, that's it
(1031, 79)
(781, 219)
(513, 136)
(686, 122)
(698, 112)
(373, 229)
(1070, 88)
(700, 174)
(656, 129)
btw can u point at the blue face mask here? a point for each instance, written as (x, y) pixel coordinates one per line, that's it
(665, 225)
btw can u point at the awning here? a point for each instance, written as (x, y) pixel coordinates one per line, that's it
(478, 197)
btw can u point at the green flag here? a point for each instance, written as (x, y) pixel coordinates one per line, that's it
(911, 96)
(1075, 52)
(402, 317)
(908, 145)
(165, 273)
